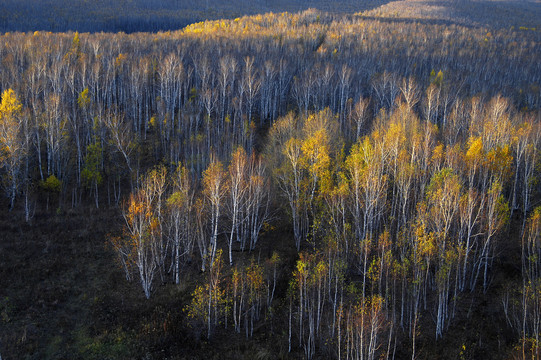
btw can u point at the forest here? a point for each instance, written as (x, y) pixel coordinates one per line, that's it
(310, 184)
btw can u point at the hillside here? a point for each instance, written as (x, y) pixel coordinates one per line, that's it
(143, 15)
(491, 14)
(156, 15)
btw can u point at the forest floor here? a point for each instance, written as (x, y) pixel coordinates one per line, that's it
(63, 296)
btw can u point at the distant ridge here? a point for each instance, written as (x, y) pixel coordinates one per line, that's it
(147, 15)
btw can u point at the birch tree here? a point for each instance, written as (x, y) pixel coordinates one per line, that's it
(12, 146)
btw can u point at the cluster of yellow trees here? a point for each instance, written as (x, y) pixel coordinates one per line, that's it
(414, 209)
(392, 229)
(167, 215)
(240, 299)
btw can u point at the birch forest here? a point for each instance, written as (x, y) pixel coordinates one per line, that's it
(350, 183)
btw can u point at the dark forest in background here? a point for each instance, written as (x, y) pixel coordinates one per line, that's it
(146, 15)
(161, 15)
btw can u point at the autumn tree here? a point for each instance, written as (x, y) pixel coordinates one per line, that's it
(91, 173)
(368, 190)
(214, 188)
(142, 242)
(181, 219)
(137, 243)
(208, 300)
(237, 186)
(442, 200)
(257, 211)
(12, 151)
(284, 153)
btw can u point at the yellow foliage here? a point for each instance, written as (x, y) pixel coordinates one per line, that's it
(10, 105)
(120, 59)
(500, 160)
(213, 178)
(475, 149)
(83, 100)
(197, 309)
(437, 155)
(315, 153)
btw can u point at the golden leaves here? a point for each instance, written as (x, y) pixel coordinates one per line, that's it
(10, 105)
